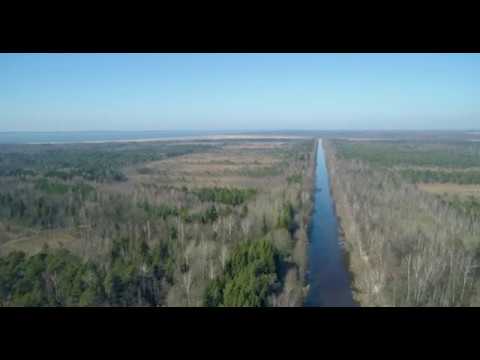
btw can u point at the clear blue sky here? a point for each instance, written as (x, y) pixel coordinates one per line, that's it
(50, 92)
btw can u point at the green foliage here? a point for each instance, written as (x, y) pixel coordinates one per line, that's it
(163, 211)
(211, 215)
(47, 205)
(94, 162)
(286, 218)
(51, 187)
(17, 172)
(391, 153)
(441, 176)
(244, 211)
(55, 278)
(295, 179)
(145, 171)
(59, 174)
(264, 225)
(134, 276)
(225, 195)
(135, 273)
(469, 206)
(249, 278)
(214, 292)
(263, 171)
(207, 217)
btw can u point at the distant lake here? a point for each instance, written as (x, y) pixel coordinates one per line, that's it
(99, 136)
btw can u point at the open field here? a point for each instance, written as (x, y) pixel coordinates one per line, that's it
(226, 167)
(450, 189)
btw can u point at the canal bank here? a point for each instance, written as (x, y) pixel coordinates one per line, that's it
(328, 277)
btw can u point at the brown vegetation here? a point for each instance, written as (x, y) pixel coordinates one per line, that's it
(407, 248)
(449, 188)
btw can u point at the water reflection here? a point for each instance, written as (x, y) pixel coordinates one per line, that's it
(328, 276)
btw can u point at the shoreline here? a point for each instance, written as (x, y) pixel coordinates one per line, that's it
(306, 275)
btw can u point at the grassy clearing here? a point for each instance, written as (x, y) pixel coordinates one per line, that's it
(450, 189)
(232, 165)
(32, 242)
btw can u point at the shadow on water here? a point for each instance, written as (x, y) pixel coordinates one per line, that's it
(328, 276)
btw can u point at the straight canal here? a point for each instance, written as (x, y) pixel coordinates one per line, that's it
(328, 277)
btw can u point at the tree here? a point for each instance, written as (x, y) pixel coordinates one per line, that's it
(264, 225)
(249, 278)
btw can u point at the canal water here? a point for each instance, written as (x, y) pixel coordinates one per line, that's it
(328, 277)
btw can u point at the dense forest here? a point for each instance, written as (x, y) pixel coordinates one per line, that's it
(453, 154)
(406, 247)
(155, 224)
(441, 176)
(101, 163)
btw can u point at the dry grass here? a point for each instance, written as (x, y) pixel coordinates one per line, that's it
(435, 168)
(213, 168)
(31, 241)
(450, 189)
(269, 145)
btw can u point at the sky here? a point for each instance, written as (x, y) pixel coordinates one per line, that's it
(75, 92)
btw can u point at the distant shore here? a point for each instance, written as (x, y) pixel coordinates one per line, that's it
(174, 138)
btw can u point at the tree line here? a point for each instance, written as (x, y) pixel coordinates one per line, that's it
(92, 162)
(413, 153)
(441, 176)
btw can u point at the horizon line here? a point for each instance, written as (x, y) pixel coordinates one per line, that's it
(235, 130)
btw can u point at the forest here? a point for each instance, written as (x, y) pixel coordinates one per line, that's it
(100, 163)
(408, 246)
(448, 154)
(441, 176)
(219, 223)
